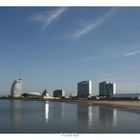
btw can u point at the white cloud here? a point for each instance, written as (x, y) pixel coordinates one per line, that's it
(91, 26)
(132, 53)
(47, 18)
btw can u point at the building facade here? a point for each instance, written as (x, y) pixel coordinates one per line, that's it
(84, 89)
(16, 88)
(110, 89)
(107, 88)
(102, 88)
(59, 93)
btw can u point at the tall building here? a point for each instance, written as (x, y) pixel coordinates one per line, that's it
(110, 89)
(58, 93)
(107, 88)
(16, 89)
(102, 88)
(84, 89)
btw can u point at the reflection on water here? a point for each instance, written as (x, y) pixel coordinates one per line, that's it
(62, 110)
(107, 116)
(85, 116)
(58, 117)
(90, 116)
(46, 111)
(114, 117)
(55, 112)
(61, 114)
(15, 113)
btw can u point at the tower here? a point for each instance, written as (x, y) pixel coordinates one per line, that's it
(16, 88)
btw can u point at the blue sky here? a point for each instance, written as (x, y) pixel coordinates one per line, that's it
(56, 47)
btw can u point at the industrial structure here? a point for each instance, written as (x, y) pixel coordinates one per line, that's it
(84, 89)
(16, 88)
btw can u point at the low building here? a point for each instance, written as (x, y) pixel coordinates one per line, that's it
(59, 93)
(127, 96)
(48, 97)
(31, 94)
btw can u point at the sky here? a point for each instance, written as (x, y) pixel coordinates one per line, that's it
(57, 47)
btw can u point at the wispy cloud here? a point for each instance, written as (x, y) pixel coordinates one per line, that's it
(46, 18)
(132, 53)
(91, 26)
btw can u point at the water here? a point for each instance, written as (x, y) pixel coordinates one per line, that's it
(57, 117)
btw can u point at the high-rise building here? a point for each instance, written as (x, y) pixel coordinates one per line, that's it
(110, 89)
(102, 88)
(59, 93)
(84, 89)
(107, 88)
(16, 88)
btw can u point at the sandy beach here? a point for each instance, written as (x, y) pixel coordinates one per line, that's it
(116, 103)
(113, 103)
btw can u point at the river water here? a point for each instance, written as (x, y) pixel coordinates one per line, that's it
(58, 117)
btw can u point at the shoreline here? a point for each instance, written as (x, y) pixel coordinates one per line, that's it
(112, 103)
(131, 104)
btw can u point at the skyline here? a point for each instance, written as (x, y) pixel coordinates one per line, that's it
(60, 46)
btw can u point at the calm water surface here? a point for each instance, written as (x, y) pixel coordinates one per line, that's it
(56, 117)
